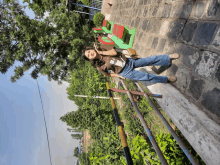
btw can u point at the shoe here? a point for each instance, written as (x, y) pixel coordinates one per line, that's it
(174, 56)
(172, 78)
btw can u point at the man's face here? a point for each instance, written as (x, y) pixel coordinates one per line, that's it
(90, 54)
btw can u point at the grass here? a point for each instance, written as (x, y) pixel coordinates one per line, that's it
(153, 121)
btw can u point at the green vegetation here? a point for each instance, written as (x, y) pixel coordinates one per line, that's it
(86, 2)
(98, 19)
(96, 116)
(52, 45)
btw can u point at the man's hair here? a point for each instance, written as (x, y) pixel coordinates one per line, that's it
(94, 62)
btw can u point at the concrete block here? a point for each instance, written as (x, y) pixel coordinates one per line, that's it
(175, 29)
(145, 2)
(150, 11)
(155, 42)
(213, 7)
(136, 23)
(140, 2)
(156, 26)
(169, 49)
(149, 41)
(181, 10)
(204, 33)
(200, 131)
(161, 45)
(188, 55)
(166, 12)
(150, 25)
(183, 74)
(160, 11)
(189, 31)
(176, 10)
(197, 86)
(216, 41)
(207, 64)
(155, 11)
(164, 28)
(144, 24)
(199, 9)
(145, 11)
(211, 99)
(217, 75)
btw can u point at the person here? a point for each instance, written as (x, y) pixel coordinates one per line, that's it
(115, 64)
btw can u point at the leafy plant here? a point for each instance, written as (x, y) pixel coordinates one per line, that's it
(98, 19)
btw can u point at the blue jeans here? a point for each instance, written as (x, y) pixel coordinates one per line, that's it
(129, 72)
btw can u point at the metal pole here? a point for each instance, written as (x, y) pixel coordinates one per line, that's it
(98, 97)
(136, 92)
(86, 6)
(146, 128)
(82, 12)
(179, 141)
(120, 128)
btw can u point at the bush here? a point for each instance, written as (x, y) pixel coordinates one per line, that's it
(98, 19)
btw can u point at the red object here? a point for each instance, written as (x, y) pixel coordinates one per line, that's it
(97, 28)
(104, 23)
(106, 41)
(118, 30)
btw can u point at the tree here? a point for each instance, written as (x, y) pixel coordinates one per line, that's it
(76, 136)
(52, 46)
(76, 152)
(41, 6)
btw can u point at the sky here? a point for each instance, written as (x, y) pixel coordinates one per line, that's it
(23, 138)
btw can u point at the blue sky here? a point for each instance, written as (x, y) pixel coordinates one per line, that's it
(22, 130)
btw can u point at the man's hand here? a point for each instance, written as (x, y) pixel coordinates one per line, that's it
(96, 48)
(122, 77)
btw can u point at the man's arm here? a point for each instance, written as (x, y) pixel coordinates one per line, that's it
(110, 52)
(109, 74)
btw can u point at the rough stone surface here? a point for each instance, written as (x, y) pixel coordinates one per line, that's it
(213, 6)
(156, 26)
(167, 9)
(161, 45)
(175, 29)
(155, 42)
(189, 31)
(188, 55)
(150, 26)
(204, 33)
(196, 86)
(199, 9)
(183, 74)
(176, 10)
(217, 73)
(207, 65)
(144, 24)
(149, 42)
(216, 41)
(211, 100)
(192, 122)
(170, 48)
(186, 11)
(164, 27)
(145, 11)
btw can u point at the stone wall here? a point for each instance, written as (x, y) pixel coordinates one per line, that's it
(192, 29)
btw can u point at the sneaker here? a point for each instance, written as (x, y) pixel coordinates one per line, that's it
(172, 78)
(174, 56)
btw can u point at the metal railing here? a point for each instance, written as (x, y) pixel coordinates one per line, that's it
(97, 6)
(144, 124)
